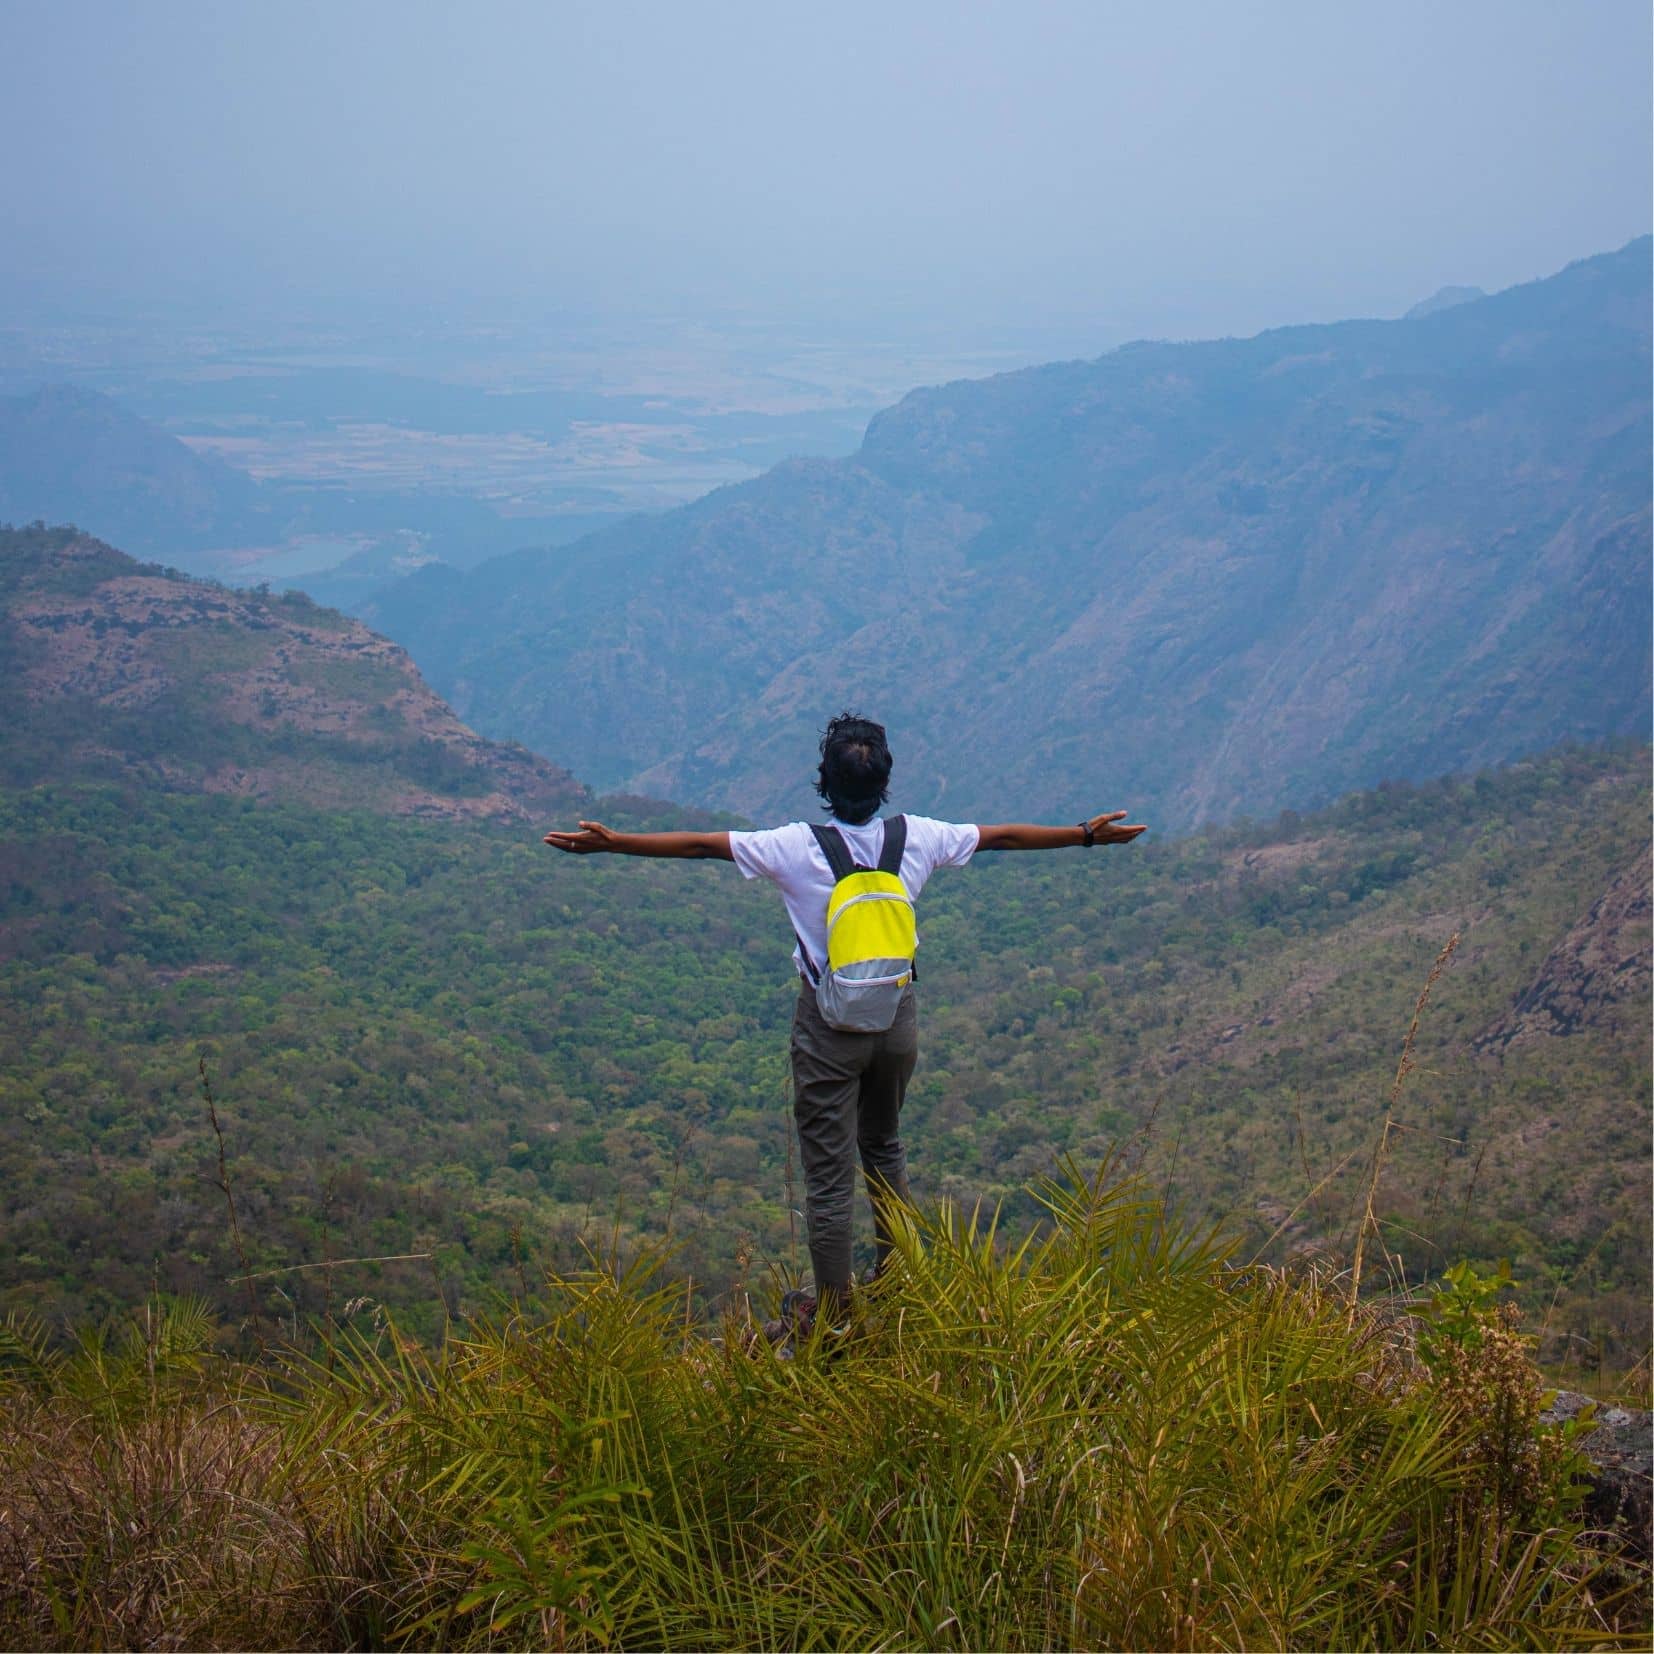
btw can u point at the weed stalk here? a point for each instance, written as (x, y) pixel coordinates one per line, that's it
(1381, 1152)
(229, 1201)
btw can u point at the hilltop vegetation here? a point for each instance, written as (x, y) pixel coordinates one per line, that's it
(1107, 1439)
(440, 1037)
(1212, 578)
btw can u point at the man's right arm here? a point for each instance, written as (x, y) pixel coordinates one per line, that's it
(595, 839)
(1107, 828)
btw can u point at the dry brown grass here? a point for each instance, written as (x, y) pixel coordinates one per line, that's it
(156, 1529)
(160, 1515)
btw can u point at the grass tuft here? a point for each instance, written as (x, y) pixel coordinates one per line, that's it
(1101, 1435)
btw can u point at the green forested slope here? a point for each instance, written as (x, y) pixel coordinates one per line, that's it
(424, 1036)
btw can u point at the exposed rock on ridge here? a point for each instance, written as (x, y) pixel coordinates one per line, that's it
(1600, 968)
(239, 692)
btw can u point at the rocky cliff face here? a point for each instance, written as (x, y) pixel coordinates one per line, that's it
(1597, 973)
(117, 667)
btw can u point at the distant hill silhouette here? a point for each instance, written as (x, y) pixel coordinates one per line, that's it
(109, 667)
(1444, 298)
(73, 455)
(1208, 579)
(68, 454)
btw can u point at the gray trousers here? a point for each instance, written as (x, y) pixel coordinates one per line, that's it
(847, 1101)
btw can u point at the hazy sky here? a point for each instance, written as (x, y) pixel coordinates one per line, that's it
(1147, 168)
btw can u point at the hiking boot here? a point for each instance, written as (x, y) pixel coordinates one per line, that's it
(797, 1318)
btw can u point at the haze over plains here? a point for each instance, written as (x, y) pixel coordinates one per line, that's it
(1088, 172)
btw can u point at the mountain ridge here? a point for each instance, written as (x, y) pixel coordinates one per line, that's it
(1216, 578)
(113, 667)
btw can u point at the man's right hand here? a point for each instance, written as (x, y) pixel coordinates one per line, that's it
(1105, 829)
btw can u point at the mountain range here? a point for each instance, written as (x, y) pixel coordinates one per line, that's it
(1205, 579)
(238, 827)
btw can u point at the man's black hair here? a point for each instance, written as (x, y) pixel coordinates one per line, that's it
(854, 778)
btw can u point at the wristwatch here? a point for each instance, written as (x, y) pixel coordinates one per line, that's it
(1087, 837)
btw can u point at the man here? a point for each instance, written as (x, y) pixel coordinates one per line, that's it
(847, 1087)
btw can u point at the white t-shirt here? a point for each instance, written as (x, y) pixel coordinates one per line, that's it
(791, 857)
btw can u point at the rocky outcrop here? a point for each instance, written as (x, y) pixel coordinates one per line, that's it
(1621, 1450)
(1600, 967)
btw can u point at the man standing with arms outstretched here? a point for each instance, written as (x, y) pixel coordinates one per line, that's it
(847, 1086)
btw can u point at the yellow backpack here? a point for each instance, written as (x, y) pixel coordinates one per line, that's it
(871, 935)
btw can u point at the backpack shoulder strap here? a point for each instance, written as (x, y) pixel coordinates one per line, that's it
(895, 842)
(834, 849)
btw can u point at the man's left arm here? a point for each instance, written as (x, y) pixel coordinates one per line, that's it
(594, 839)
